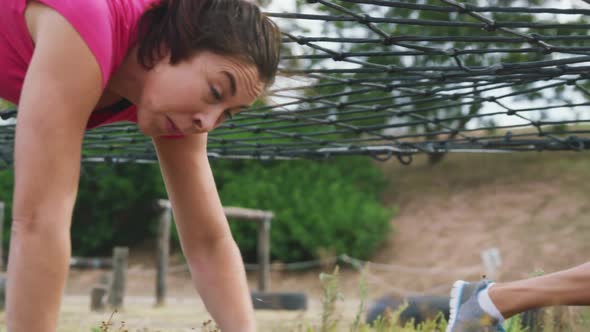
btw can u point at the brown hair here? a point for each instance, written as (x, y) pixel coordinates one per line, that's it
(229, 27)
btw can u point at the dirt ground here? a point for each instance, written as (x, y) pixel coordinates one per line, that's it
(536, 216)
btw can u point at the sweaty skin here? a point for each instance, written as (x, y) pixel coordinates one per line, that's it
(568, 287)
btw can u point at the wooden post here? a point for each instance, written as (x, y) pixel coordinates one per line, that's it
(2, 293)
(163, 253)
(264, 219)
(119, 281)
(98, 294)
(264, 255)
(2, 268)
(97, 298)
(491, 261)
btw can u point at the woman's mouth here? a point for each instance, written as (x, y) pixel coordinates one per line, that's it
(171, 127)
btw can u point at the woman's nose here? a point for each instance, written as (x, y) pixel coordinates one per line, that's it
(204, 122)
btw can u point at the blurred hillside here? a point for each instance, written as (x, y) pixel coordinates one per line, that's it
(534, 207)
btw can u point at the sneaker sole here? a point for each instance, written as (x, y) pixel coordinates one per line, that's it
(455, 302)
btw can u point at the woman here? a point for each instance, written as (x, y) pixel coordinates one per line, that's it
(176, 67)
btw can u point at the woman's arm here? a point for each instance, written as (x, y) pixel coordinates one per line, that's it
(214, 259)
(62, 85)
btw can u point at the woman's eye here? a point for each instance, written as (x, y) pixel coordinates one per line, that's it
(227, 115)
(216, 95)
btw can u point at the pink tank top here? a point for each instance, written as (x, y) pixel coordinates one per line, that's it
(109, 28)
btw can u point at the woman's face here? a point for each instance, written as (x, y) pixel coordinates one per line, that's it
(196, 95)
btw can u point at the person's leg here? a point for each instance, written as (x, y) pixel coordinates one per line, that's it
(482, 306)
(568, 287)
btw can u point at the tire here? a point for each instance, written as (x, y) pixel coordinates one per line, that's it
(279, 301)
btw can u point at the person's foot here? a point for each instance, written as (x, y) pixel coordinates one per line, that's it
(466, 314)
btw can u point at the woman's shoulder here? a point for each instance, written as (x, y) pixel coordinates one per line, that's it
(92, 21)
(106, 26)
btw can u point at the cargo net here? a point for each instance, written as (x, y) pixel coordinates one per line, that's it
(398, 78)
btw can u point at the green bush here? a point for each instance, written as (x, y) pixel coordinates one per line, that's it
(6, 185)
(116, 205)
(331, 207)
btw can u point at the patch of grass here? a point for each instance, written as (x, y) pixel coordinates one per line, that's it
(389, 322)
(109, 326)
(584, 317)
(553, 319)
(558, 319)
